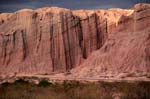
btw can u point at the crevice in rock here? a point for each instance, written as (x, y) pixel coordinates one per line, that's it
(139, 19)
(35, 15)
(39, 39)
(69, 61)
(80, 34)
(14, 39)
(4, 48)
(52, 47)
(24, 46)
(98, 34)
(142, 9)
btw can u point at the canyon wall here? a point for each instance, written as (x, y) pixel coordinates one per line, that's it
(52, 40)
(126, 52)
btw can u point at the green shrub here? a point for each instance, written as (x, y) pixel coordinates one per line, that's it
(68, 85)
(5, 84)
(75, 90)
(44, 83)
(21, 81)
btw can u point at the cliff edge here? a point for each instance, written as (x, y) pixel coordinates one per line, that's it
(87, 43)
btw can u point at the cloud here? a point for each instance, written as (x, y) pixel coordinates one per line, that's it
(13, 5)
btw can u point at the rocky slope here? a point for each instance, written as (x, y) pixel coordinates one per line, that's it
(87, 42)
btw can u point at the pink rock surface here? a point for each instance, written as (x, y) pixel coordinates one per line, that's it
(87, 42)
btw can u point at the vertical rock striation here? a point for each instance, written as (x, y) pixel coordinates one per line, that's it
(49, 40)
(125, 51)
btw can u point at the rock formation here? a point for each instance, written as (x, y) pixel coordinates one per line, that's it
(91, 42)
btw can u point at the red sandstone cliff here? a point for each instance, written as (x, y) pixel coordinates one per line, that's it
(91, 42)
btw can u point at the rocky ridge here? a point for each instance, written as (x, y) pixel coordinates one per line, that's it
(90, 43)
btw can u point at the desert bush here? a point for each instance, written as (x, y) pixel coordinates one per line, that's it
(75, 90)
(44, 83)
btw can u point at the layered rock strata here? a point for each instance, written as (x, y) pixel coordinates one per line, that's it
(52, 40)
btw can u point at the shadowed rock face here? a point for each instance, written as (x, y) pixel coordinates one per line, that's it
(53, 39)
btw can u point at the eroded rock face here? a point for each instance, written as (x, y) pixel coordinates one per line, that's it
(50, 40)
(126, 51)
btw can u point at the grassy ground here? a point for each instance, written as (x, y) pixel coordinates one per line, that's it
(75, 90)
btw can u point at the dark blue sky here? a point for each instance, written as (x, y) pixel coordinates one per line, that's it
(13, 5)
